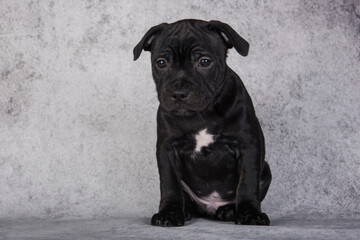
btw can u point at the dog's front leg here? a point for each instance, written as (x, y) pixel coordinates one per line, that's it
(248, 208)
(171, 210)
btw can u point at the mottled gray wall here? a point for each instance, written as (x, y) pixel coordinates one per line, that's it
(77, 115)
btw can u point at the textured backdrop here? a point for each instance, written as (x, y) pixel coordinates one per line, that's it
(77, 115)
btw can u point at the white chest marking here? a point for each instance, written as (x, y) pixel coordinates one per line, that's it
(203, 139)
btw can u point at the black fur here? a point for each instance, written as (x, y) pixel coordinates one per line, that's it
(197, 90)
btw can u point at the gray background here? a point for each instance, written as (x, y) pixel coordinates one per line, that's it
(77, 115)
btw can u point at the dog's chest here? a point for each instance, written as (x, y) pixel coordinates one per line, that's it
(208, 171)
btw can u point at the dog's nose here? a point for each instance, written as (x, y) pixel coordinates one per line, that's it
(180, 95)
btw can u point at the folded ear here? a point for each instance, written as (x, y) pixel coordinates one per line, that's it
(147, 40)
(231, 38)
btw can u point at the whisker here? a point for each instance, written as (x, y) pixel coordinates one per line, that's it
(152, 100)
(143, 77)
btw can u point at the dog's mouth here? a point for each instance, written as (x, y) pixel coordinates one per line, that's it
(183, 109)
(183, 112)
(191, 104)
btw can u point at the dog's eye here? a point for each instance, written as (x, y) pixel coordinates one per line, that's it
(161, 63)
(204, 62)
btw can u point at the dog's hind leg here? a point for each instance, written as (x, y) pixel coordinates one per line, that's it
(226, 213)
(265, 180)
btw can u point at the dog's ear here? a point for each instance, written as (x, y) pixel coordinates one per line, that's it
(231, 37)
(147, 40)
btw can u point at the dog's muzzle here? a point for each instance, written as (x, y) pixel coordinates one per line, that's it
(182, 101)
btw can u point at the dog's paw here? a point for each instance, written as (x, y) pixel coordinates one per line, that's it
(226, 213)
(168, 219)
(248, 218)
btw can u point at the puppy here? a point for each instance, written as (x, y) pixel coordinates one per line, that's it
(210, 146)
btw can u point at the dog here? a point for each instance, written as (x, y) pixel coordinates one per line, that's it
(210, 147)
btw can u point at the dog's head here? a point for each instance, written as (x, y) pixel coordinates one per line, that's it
(188, 62)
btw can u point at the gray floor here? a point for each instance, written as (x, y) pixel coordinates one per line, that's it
(139, 228)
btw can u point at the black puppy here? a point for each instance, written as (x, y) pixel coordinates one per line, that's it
(210, 146)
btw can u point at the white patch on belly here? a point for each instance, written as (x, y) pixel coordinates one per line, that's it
(209, 203)
(203, 139)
